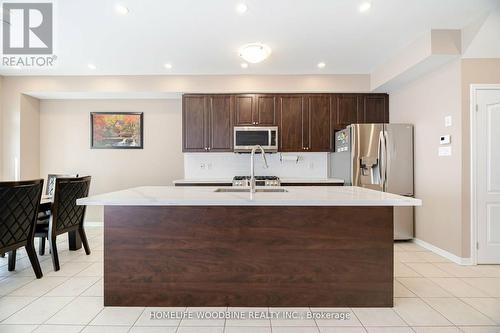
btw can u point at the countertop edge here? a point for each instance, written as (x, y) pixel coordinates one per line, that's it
(283, 180)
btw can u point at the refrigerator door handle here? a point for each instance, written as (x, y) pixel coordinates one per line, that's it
(385, 160)
(381, 157)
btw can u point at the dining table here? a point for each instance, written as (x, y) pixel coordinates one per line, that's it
(74, 240)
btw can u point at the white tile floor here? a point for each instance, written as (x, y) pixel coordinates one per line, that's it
(432, 295)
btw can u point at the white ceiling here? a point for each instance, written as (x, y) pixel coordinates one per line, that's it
(203, 36)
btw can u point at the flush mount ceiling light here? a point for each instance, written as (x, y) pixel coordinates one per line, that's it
(241, 8)
(244, 65)
(365, 6)
(321, 65)
(168, 66)
(91, 66)
(122, 10)
(254, 52)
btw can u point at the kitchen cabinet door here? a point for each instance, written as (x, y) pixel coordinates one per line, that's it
(347, 110)
(244, 109)
(220, 124)
(320, 129)
(376, 108)
(291, 113)
(194, 135)
(265, 110)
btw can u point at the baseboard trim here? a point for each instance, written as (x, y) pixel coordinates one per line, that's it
(443, 253)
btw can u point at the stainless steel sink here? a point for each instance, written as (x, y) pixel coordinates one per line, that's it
(232, 189)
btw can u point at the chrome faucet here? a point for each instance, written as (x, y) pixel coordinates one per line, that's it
(252, 165)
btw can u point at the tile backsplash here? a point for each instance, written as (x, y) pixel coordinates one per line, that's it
(227, 165)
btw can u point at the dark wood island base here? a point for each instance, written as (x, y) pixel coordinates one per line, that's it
(248, 256)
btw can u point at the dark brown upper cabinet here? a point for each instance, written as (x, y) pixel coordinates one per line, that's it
(220, 125)
(194, 136)
(359, 108)
(207, 123)
(306, 122)
(266, 110)
(376, 108)
(346, 109)
(320, 125)
(255, 110)
(244, 106)
(293, 135)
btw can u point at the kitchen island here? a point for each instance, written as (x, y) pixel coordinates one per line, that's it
(200, 246)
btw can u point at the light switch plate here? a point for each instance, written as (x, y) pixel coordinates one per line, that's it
(447, 121)
(444, 151)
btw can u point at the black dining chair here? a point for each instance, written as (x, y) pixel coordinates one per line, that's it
(66, 215)
(43, 216)
(19, 203)
(51, 182)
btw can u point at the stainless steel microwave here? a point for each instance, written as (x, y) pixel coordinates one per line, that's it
(245, 137)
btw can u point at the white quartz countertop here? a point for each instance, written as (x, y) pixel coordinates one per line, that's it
(283, 180)
(203, 181)
(312, 180)
(205, 196)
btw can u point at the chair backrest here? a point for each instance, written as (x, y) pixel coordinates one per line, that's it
(51, 183)
(66, 214)
(19, 203)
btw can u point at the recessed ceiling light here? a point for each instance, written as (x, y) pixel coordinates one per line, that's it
(365, 6)
(241, 8)
(168, 66)
(254, 52)
(91, 66)
(121, 9)
(244, 65)
(321, 65)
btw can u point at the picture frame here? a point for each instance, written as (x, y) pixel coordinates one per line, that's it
(117, 130)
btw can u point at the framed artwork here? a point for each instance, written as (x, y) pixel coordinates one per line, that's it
(116, 130)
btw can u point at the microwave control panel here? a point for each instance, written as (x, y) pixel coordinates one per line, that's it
(343, 140)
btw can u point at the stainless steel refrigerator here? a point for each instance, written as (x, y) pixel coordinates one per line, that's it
(378, 157)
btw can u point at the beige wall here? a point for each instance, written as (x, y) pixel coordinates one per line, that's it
(474, 71)
(29, 138)
(443, 183)
(424, 103)
(13, 87)
(65, 146)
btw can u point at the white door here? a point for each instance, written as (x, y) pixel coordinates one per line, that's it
(488, 175)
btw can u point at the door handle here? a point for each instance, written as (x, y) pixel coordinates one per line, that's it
(381, 165)
(385, 159)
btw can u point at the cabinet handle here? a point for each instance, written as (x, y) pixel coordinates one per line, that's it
(208, 148)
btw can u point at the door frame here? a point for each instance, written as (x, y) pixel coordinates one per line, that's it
(474, 89)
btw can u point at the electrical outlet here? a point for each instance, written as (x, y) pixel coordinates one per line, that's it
(444, 151)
